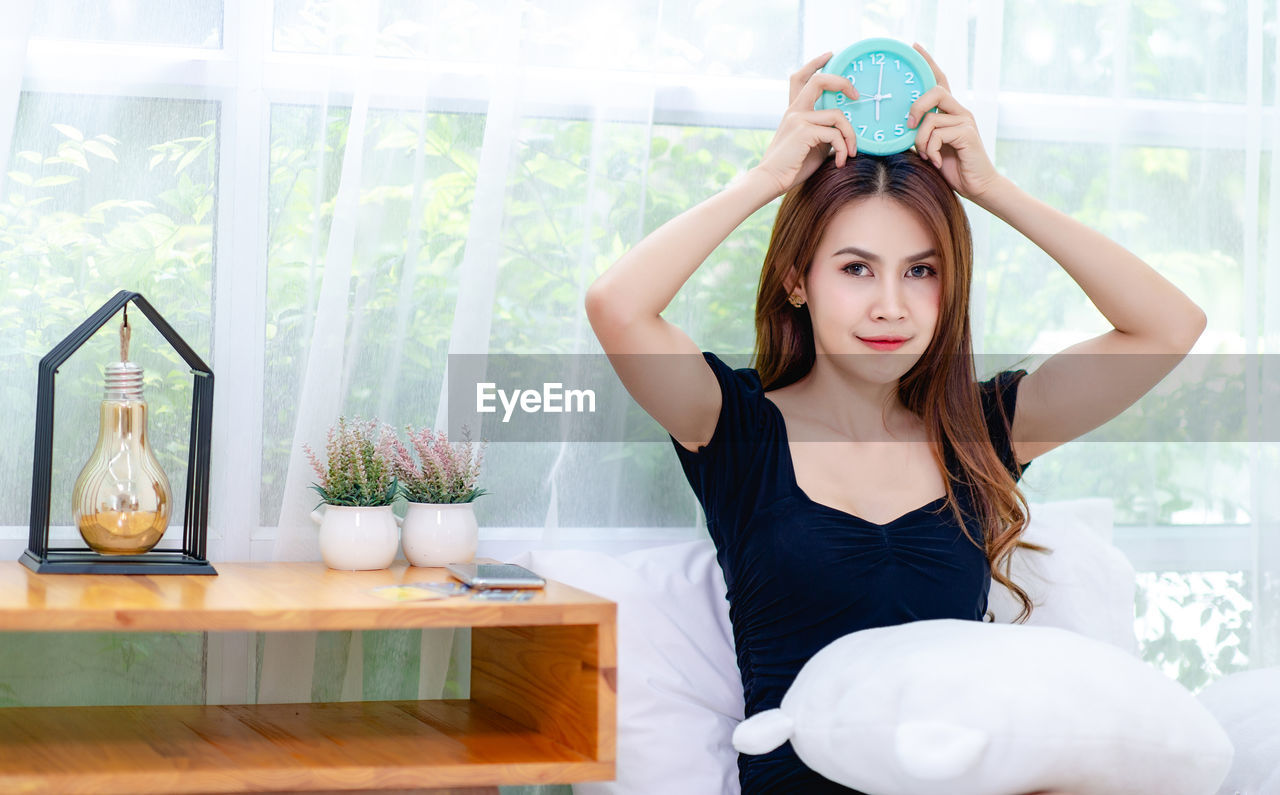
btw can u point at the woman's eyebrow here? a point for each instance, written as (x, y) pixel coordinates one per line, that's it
(857, 252)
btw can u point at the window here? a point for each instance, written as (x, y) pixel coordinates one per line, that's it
(330, 202)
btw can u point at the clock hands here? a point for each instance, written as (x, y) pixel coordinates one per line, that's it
(878, 97)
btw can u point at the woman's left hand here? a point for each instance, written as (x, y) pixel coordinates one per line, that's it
(949, 139)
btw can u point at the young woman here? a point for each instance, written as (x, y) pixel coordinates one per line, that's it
(859, 476)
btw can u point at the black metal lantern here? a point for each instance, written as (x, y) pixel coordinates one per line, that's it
(190, 559)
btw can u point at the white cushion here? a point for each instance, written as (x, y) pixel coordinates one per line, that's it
(679, 690)
(951, 707)
(1247, 704)
(1085, 585)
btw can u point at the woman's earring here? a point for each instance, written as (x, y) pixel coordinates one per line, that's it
(795, 300)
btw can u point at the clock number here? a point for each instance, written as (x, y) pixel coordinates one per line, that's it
(840, 99)
(915, 95)
(897, 64)
(862, 128)
(898, 129)
(877, 59)
(848, 116)
(879, 136)
(911, 78)
(856, 66)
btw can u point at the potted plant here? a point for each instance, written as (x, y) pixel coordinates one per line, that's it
(438, 478)
(358, 531)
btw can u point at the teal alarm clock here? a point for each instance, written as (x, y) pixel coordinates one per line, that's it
(889, 76)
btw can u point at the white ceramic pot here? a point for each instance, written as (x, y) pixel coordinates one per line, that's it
(437, 534)
(357, 538)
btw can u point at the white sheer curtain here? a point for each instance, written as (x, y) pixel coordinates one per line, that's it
(13, 46)
(330, 197)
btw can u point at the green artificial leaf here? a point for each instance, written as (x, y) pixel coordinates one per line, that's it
(69, 131)
(1225, 658)
(71, 156)
(188, 158)
(59, 179)
(101, 150)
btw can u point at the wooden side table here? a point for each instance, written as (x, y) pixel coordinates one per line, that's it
(542, 707)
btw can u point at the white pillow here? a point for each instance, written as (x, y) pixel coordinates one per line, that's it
(679, 691)
(1085, 585)
(1247, 704)
(951, 707)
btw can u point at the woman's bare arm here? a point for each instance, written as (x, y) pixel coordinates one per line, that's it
(1155, 324)
(657, 362)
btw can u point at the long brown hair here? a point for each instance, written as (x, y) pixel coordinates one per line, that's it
(941, 388)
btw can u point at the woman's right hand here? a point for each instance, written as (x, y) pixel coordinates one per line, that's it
(805, 136)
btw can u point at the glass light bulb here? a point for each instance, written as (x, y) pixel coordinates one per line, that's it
(122, 499)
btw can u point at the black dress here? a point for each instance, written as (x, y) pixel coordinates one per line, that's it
(771, 538)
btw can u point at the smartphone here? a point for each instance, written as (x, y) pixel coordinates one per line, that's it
(505, 595)
(495, 575)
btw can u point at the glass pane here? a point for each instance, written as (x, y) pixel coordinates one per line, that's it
(686, 166)
(55, 669)
(1143, 48)
(762, 39)
(759, 39)
(1269, 53)
(587, 35)
(319, 26)
(1195, 626)
(1152, 483)
(188, 23)
(403, 273)
(103, 194)
(1059, 47)
(1187, 50)
(451, 30)
(579, 196)
(1138, 196)
(454, 30)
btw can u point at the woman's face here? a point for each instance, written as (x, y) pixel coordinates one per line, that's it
(875, 274)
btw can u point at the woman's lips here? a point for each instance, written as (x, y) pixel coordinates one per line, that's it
(883, 346)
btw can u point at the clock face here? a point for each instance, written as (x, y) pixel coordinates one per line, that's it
(889, 77)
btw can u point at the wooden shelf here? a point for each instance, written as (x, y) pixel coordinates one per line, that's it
(542, 706)
(369, 745)
(265, 597)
